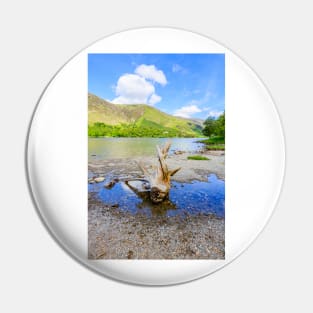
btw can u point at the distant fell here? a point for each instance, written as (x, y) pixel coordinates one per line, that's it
(137, 120)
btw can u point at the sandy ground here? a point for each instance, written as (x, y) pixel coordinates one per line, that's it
(116, 234)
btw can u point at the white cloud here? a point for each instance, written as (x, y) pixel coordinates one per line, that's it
(154, 99)
(187, 111)
(132, 89)
(213, 113)
(138, 88)
(150, 72)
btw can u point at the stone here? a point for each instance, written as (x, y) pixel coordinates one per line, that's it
(130, 254)
(99, 179)
(109, 185)
(146, 186)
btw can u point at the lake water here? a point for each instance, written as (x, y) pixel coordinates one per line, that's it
(184, 198)
(106, 148)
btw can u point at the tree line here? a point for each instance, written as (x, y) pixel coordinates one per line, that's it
(214, 127)
(133, 130)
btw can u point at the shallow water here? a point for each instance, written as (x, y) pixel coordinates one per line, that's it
(184, 198)
(107, 148)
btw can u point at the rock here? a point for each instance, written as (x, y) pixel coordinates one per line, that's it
(99, 179)
(115, 206)
(109, 185)
(195, 250)
(130, 254)
(145, 186)
(177, 152)
(101, 255)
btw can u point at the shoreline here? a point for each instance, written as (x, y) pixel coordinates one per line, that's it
(117, 234)
(190, 169)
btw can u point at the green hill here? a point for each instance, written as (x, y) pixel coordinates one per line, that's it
(137, 120)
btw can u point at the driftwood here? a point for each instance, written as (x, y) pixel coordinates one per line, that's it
(157, 182)
(160, 178)
(156, 208)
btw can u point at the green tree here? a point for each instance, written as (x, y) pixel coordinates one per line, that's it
(220, 126)
(209, 126)
(214, 127)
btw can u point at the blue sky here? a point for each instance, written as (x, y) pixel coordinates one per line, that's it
(186, 85)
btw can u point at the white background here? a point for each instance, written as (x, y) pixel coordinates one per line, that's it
(274, 38)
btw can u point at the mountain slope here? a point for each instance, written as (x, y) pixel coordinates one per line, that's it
(139, 116)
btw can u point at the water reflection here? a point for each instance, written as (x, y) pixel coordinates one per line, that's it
(106, 148)
(187, 198)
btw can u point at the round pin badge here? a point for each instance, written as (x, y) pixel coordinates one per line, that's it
(155, 156)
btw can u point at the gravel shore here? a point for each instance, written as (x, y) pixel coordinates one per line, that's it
(190, 169)
(116, 234)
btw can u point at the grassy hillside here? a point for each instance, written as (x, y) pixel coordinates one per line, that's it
(138, 120)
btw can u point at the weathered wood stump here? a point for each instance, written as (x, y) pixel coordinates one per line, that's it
(160, 178)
